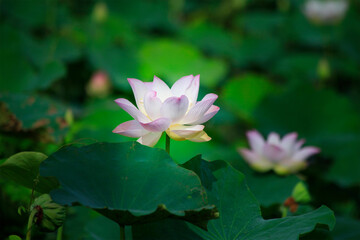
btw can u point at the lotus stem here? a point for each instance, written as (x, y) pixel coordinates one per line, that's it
(167, 146)
(36, 181)
(30, 223)
(59, 233)
(122, 232)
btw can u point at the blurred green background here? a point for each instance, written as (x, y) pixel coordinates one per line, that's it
(277, 65)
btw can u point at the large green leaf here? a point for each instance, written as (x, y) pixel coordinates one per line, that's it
(240, 215)
(128, 183)
(23, 168)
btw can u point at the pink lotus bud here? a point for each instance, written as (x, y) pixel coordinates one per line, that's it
(174, 110)
(100, 12)
(99, 85)
(284, 155)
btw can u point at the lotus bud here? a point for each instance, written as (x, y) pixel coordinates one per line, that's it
(300, 193)
(49, 215)
(100, 12)
(323, 69)
(99, 85)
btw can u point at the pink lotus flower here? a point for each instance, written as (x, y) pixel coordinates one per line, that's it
(174, 110)
(284, 155)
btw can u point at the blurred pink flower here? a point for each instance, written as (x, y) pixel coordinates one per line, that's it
(99, 85)
(174, 110)
(325, 11)
(284, 155)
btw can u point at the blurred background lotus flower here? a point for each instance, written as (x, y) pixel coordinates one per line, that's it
(100, 12)
(325, 11)
(174, 110)
(99, 85)
(284, 155)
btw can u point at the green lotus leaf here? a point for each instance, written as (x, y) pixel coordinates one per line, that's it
(128, 183)
(240, 215)
(23, 168)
